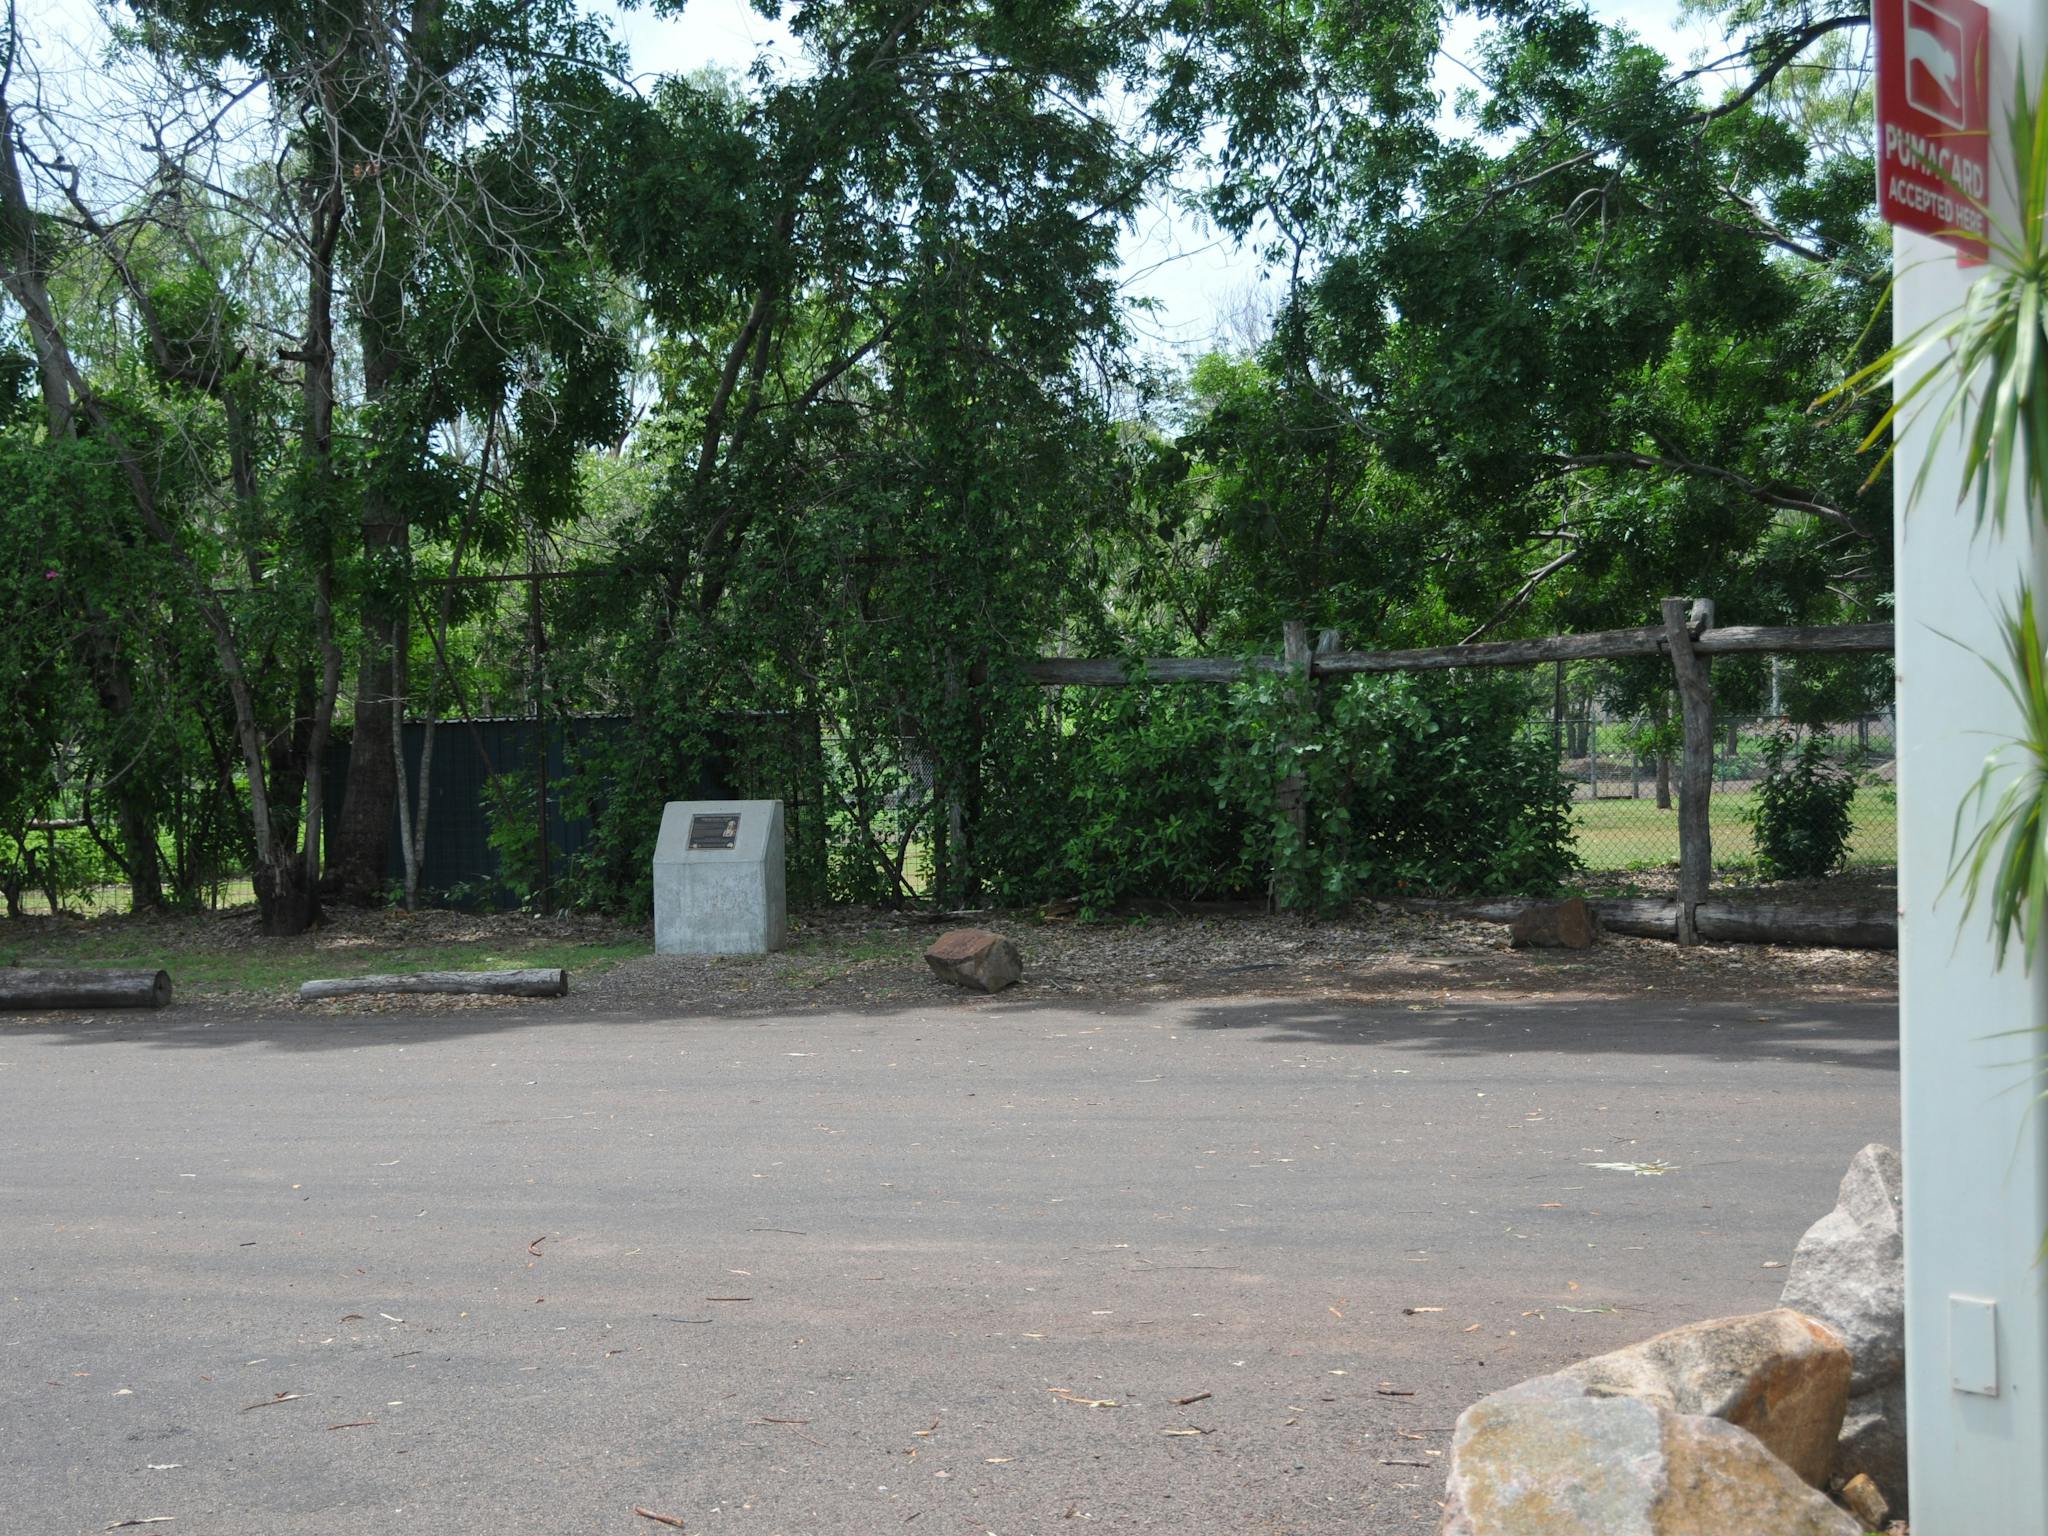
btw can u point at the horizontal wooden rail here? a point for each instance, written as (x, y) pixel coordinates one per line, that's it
(1600, 645)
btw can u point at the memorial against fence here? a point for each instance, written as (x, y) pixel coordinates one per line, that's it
(719, 879)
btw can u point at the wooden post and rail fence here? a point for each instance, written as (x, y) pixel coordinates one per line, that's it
(1687, 636)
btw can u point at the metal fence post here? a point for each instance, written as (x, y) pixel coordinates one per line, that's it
(1696, 775)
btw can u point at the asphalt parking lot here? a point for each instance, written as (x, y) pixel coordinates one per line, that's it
(975, 1267)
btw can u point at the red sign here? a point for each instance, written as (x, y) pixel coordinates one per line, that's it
(1933, 118)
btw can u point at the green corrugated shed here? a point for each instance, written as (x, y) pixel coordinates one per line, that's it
(466, 754)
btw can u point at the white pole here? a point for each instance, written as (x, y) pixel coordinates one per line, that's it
(1976, 1160)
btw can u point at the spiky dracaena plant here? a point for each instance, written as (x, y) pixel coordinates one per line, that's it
(1983, 371)
(2010, 809)
(1983, 368)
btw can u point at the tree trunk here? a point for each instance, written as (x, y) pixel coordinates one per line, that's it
(286, 903)
(360, 868)
(139, 852)
(360, 865)
(412, 813)
(1663, 781)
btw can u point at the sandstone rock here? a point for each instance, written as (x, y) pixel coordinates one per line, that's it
(1781, 1376)
(1591, 1466)
(1554, 925)
(976, 959)
(1873, 1441)
(1865, 1502)
(1849, 1270)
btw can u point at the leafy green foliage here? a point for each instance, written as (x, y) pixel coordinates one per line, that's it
(1801, 814)
(1407, 786)
(57, 867)
(800, 408)
(514, 837)
(1143, 815)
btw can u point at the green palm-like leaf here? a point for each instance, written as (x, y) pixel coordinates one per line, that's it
(2005, 860)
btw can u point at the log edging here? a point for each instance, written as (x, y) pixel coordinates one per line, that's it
(547, 982)
(1730, 922)
(35, 990)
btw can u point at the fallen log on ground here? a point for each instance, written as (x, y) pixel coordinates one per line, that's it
(1732, 922)
(38, 989)
(536, 983)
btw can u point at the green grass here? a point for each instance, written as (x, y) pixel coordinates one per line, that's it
(1634, 834)
(828, 959)
(204, 956)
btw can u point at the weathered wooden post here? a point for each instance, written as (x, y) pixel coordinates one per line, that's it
(1696, 772)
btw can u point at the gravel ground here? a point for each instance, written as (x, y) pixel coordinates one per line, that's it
(865, 959)
(859, 958)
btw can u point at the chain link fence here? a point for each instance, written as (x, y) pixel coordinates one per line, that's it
(1625, 789)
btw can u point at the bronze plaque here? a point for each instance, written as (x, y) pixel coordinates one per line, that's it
(721, 831)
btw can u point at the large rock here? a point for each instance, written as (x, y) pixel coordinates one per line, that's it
(1554, 925)
(1874, 1442)
(1849, 1270)
(1781, 1376)
(1530, 1465)
(976, 959)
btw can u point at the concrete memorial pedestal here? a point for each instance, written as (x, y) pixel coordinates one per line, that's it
(718, 878)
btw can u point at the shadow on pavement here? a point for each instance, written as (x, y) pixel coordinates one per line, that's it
(1847, 1034)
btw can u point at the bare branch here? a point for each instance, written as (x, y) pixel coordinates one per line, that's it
(1521, 595)
(1671, 464)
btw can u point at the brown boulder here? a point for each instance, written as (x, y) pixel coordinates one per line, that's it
(1779, 1375)
(976, 959)
(1534, 1465)
(1554, 925)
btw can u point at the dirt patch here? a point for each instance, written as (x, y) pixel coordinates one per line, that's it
(856, 958)
(853, 959)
